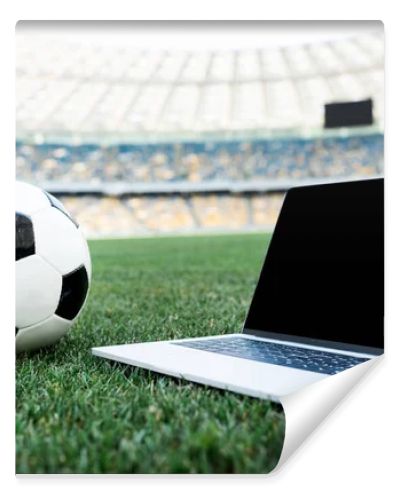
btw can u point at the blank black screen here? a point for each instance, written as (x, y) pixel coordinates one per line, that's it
(323, 276)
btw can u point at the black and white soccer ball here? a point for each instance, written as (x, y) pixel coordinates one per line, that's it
(53, 268)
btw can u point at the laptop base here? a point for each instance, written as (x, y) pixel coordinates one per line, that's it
(243, 376)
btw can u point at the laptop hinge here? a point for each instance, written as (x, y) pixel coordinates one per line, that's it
(314, 342)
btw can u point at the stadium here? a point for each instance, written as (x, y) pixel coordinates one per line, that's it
(178, 141)
(198, 145)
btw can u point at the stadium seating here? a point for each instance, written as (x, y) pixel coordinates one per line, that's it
(147, 136)
(272, 159)
(101, 216)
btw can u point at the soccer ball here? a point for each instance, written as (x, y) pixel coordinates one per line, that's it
(53, 268)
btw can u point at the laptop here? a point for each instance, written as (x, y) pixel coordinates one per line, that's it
(317, 308)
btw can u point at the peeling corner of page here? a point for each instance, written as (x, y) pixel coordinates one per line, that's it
(307, 408)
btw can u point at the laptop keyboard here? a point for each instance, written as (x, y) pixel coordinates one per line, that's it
(276, 354)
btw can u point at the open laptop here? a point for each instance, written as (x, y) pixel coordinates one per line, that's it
(317, 308)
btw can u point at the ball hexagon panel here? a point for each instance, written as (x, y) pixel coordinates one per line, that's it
(58, 240)
(24, 237)
(38, 287)
(73, 294)
(29, 199)
(42, 334)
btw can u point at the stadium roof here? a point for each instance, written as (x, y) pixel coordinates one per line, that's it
(70, 89)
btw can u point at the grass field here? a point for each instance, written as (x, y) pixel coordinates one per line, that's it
(76, 413)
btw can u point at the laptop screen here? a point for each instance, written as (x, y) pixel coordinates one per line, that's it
(323, 276)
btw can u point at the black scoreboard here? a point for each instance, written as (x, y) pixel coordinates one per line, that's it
(348, 114)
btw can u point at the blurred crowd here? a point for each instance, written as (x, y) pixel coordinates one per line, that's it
(94, 117)
(202, 162)
(101, 216)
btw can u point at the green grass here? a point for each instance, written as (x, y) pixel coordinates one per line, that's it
(76, 413)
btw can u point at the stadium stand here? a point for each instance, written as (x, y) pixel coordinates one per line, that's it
(148, 142)
(284, 158)
(102, 216)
